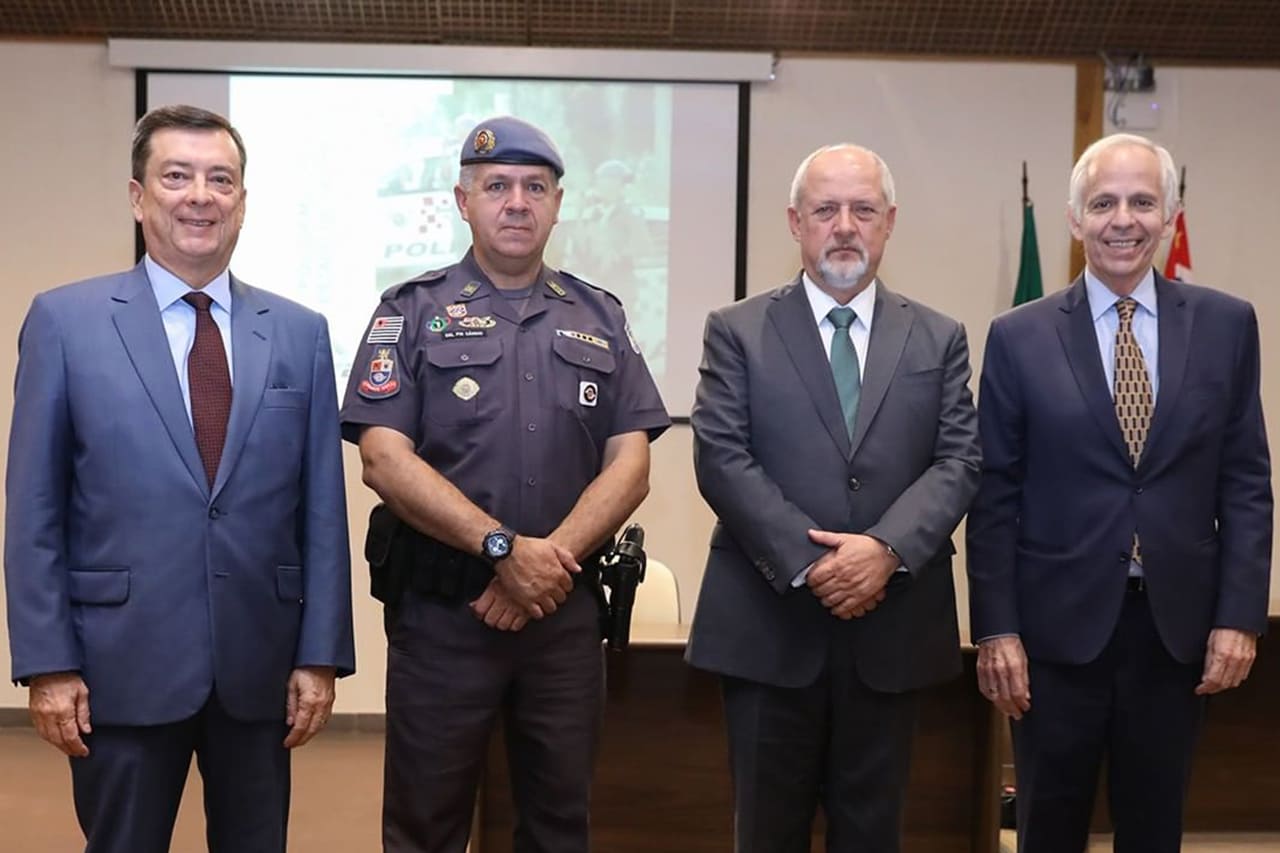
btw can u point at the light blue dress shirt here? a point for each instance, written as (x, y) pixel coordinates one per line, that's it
(179, 318)
(1106, 320)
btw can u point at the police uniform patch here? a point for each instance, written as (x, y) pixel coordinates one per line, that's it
(437, 324)
(385, 330)
(584, 337)
(470, 288)
(382, 380)
(588, 393)
(485, 140)
(478, 322)
(466, 388)
(457, 310)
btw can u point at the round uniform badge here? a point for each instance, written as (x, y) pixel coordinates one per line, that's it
(484, 141)
(466, 388)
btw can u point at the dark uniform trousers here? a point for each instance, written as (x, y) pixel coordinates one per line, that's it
(448, 677)
(1135, 704)
(128, 788)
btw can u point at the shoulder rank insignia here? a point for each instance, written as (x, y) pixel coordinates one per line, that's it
(631, 338)
(555, 288)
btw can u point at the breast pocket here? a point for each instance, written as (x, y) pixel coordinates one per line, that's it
(284, 398)
(462, 381)
(917, 398)
(583, 384)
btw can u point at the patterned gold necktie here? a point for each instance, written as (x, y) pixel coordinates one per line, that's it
(1133, 396)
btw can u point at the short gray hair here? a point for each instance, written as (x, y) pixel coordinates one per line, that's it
(886, 177)
(1080, 174)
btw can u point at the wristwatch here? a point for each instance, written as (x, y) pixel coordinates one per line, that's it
(497, 544)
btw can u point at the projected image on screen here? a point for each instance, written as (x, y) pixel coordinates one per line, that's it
(350, 188)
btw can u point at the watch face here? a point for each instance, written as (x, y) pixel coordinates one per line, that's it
(497, 545)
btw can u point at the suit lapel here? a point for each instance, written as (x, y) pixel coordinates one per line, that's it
(890, 326)
(792, 317)
(137, 320)
(1080, 341)
(1174, 325)
(250, 353)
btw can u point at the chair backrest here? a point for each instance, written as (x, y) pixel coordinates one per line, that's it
(658, 598)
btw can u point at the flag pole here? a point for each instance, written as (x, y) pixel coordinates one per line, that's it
(1026, 198)
(1182, 184)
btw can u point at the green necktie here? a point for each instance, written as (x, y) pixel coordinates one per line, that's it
(844, 365)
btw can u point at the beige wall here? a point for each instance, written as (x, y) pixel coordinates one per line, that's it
(64, 154)
(953, 133)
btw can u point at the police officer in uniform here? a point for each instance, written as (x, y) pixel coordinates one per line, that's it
(504, 415)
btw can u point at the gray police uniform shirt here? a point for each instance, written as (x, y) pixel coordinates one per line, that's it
(511, 404)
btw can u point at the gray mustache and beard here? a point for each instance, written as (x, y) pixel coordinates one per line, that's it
(843, 275)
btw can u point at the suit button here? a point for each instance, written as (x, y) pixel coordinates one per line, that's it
(1138, 490)
(1124, 556)
(214, 512)
(854, 485)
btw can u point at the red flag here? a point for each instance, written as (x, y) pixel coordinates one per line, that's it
(1178, 264)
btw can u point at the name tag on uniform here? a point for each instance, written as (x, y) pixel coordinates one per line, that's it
(584, 337)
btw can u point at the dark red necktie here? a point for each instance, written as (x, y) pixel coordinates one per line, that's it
(209, 382)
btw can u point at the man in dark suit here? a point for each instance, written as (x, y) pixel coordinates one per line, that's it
(1119, 547)
(176, 557)
(835, 439)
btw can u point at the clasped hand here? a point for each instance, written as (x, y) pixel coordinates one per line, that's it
(530, 583)
(850, 578)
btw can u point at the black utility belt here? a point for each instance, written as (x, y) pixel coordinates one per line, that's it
(401, 558)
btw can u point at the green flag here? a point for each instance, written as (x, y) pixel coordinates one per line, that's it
(1029, 284)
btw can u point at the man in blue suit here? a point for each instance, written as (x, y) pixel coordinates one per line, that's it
(1119, 548)
(176, 557)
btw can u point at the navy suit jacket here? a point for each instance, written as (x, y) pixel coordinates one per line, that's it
(120, 561)
(1049, 533)
(773, 458)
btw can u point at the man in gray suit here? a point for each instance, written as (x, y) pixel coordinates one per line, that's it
(836, 440)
